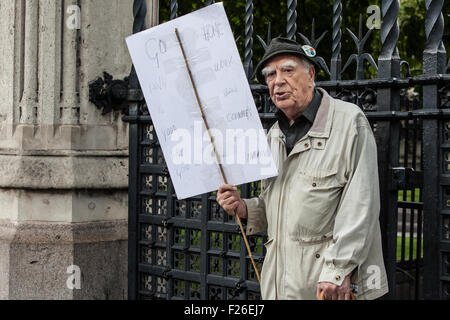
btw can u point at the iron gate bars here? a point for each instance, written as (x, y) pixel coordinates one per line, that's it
(387, 136)
(434, 62)
(192, 250)
(139, 12)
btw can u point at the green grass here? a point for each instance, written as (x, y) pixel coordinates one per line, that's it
(408, 195)
(407, 248)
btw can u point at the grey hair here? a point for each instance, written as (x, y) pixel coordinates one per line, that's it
(266, 70)
(307, 67)
(306, 64)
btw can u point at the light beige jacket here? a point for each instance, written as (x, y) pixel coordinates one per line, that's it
(321, 212)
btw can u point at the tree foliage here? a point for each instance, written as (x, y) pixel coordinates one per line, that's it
(411, 21)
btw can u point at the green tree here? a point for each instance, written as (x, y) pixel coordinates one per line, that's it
(411, 23)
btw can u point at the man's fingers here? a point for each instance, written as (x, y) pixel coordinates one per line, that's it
(226, 187)
(327, 293)
(321, 291)
(231, 200)
(227, 201)
(228, 194)
(225, 195)
(333, 294)
(230, 204)
(341, 296)
(230, 212)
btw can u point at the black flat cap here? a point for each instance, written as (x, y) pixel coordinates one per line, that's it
(282, 45)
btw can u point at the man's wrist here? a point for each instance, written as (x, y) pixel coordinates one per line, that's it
(245, 211)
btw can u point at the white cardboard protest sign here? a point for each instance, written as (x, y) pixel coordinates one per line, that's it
(224, 93)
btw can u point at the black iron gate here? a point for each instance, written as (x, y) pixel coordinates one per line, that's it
(190, 249)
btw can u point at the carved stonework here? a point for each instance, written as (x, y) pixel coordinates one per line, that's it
(49, 56)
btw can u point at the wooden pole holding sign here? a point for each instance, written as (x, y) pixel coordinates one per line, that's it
(215, 151)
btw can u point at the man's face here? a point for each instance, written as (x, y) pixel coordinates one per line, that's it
(290, 85)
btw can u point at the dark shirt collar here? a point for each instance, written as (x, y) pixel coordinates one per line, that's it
(309, 113)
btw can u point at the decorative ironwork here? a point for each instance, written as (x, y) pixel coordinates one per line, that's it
(139, 14)
(173, 9)
(444, 94)
(291, 27)
(368, 100)
(388, 135)
(269, 37)
(407, 73)
(336, 38)
(315, 43)
(263, 43)
(390, 29)
(248, 53)
(108, 94)
(434, 26)
(347, 95)
(434, 60)
(359, 58)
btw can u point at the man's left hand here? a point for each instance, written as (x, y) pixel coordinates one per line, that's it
(334, 292)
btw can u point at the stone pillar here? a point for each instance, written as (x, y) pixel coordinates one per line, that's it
(63, 166)
(152, 18)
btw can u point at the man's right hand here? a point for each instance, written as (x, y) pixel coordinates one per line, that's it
(230, 200)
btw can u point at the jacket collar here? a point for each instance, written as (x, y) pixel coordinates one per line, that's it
(321, 127)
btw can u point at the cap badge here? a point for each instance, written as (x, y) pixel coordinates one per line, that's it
(309, 51)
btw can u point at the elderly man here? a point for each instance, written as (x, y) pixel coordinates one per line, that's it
(321, 212)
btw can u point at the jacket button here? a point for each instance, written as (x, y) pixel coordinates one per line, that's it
(317, 256)
(314, 185)
(306, 145)
(319, 144)
(338, 278)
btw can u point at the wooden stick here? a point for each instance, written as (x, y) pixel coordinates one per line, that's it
(215, 151)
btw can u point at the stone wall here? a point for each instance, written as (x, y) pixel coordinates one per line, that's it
(63, 166)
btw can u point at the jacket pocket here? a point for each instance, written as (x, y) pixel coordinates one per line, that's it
(267, 244)
(268, 272)
(266, 184)
(313, 198)
(319, 178)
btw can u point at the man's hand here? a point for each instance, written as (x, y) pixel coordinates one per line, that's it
(230, 200)
(334, 292)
